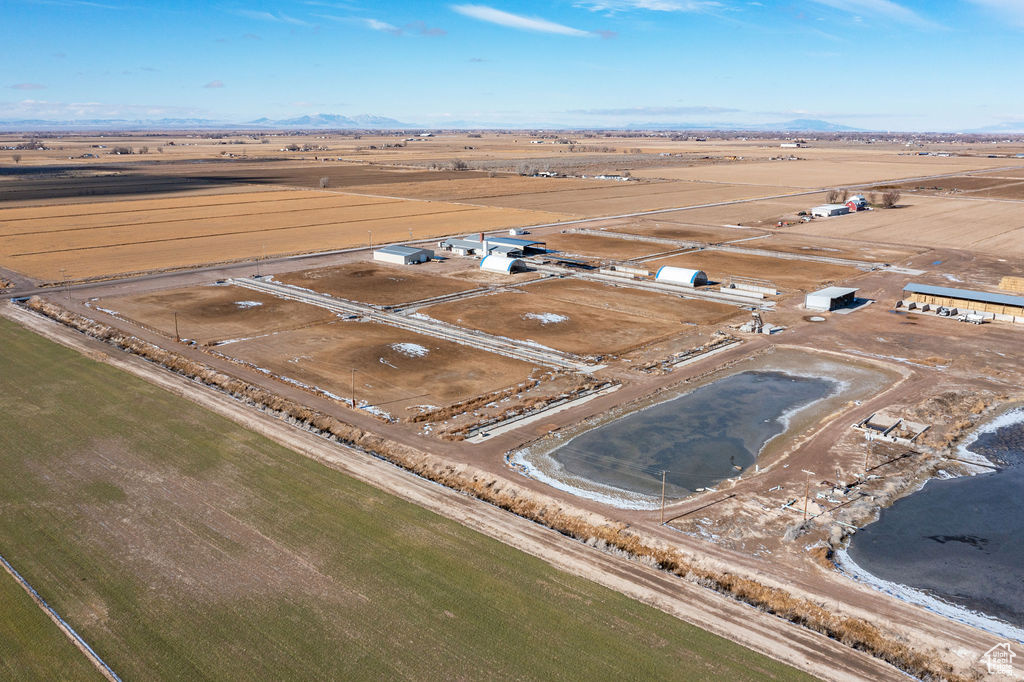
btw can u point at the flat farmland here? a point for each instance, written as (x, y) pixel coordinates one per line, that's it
(679, 228)
(763, 213)
(553, 317)
(993, 227)
(376, 283)
(814, 173)
(106, 239)
(570, 195)
(208, 314)
(183, 546)
(834, 248)
(395, 369)
(970, 186)
(595, 246)
(614, 198)
(32, 647)
(786, 274)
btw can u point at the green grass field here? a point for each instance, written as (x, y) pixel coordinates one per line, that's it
(182, 546)
(31, 646)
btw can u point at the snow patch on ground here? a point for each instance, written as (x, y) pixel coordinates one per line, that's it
(410, 350)
(954, 612)
(546, 318)
(245, 305)
(385, 362)
(953, 278)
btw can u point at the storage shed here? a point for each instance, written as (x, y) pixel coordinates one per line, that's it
(830, 298)
(1002, 306)
(683, 276)
(829, 210)
(402, 255)
(501, 264)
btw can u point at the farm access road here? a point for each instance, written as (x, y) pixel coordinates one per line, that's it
(702, 607)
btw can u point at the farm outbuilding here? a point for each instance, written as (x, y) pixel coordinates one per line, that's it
(402, 255)
(1001, 306)
(830, 298)
(829, 210)
(683, 276)
(501, 264)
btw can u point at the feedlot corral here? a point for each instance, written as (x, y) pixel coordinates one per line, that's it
(378, 284)
(786, 274)
(581, 317)
(211, 314)
(396, 371)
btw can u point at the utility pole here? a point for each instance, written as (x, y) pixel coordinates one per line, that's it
(177, 336)
(353, 388)
(663, 472)
(370, 236)
(868, 448)
(807, 490)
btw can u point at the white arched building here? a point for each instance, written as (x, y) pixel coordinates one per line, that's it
(687, 278)
(496, 263)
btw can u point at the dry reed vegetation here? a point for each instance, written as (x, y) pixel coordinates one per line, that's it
(591, 529)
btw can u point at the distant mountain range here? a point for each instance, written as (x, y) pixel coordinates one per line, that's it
(375, 122)
(799, 125)
(317, 122)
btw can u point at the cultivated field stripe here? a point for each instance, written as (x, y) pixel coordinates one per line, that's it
(209, 235)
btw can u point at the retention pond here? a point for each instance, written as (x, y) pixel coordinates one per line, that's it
(699, 438)
(958, 539)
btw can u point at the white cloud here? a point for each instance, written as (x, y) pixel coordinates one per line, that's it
(268, 16)
(517, 21)
(383, 26)
(1012, 10)
(69, 111)
(28, 86)
(652, 5)
(885, 9)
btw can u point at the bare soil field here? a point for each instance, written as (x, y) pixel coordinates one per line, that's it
(993, 227)
(594, 246)
(554, 317)
(836, 248)
(971, 186)
(616, 198)
(679, 228)
(376, 283)
(758, 214)
(638, 302)
(825, 173)
(786, 274)
(118, 238)
(473, 186)
(396, 371)
(208, 314)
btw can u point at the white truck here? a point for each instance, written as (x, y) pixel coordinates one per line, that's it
(973, 318)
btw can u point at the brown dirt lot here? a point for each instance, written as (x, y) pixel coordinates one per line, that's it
(835, 248)
(786, 274)
(377, 283)
(386, 377)
(679, 229)
(601, 247)
(604, 322)
(208, 314)
(630, 301)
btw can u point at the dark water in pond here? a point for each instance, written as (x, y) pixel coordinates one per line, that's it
(700, 438)
(960, 539)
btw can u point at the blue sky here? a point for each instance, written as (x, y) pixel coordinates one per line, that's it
(878, 64)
